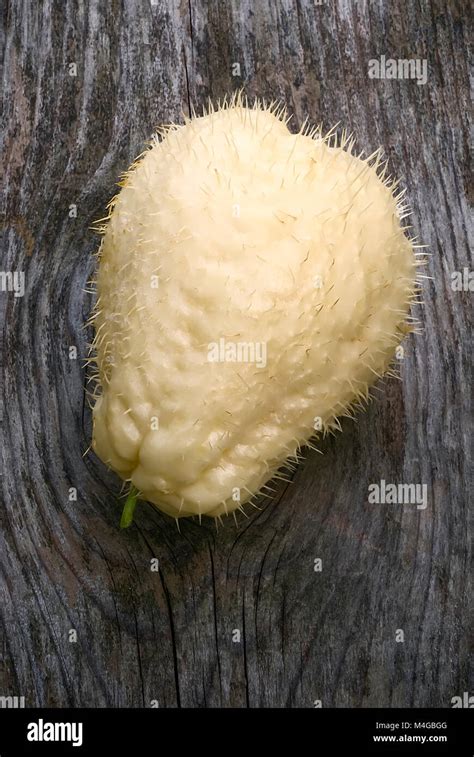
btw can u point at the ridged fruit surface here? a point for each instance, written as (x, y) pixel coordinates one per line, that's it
(252, 285)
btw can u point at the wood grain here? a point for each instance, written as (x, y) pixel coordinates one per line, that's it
(167, 636)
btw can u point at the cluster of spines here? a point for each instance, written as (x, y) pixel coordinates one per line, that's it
(344, 142)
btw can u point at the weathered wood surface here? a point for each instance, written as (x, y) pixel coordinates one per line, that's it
(168, 636)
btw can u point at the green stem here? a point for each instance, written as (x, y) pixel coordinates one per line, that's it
(129, 508)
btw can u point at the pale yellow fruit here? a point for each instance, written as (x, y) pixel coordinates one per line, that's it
(253, 284)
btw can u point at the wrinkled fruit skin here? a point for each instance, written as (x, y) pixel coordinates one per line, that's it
(230, 231)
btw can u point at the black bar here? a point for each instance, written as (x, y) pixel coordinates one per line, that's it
(315, 731)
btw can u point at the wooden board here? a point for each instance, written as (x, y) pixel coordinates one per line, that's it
(239, 616)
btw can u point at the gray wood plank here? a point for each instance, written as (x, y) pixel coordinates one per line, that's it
(168, 635)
